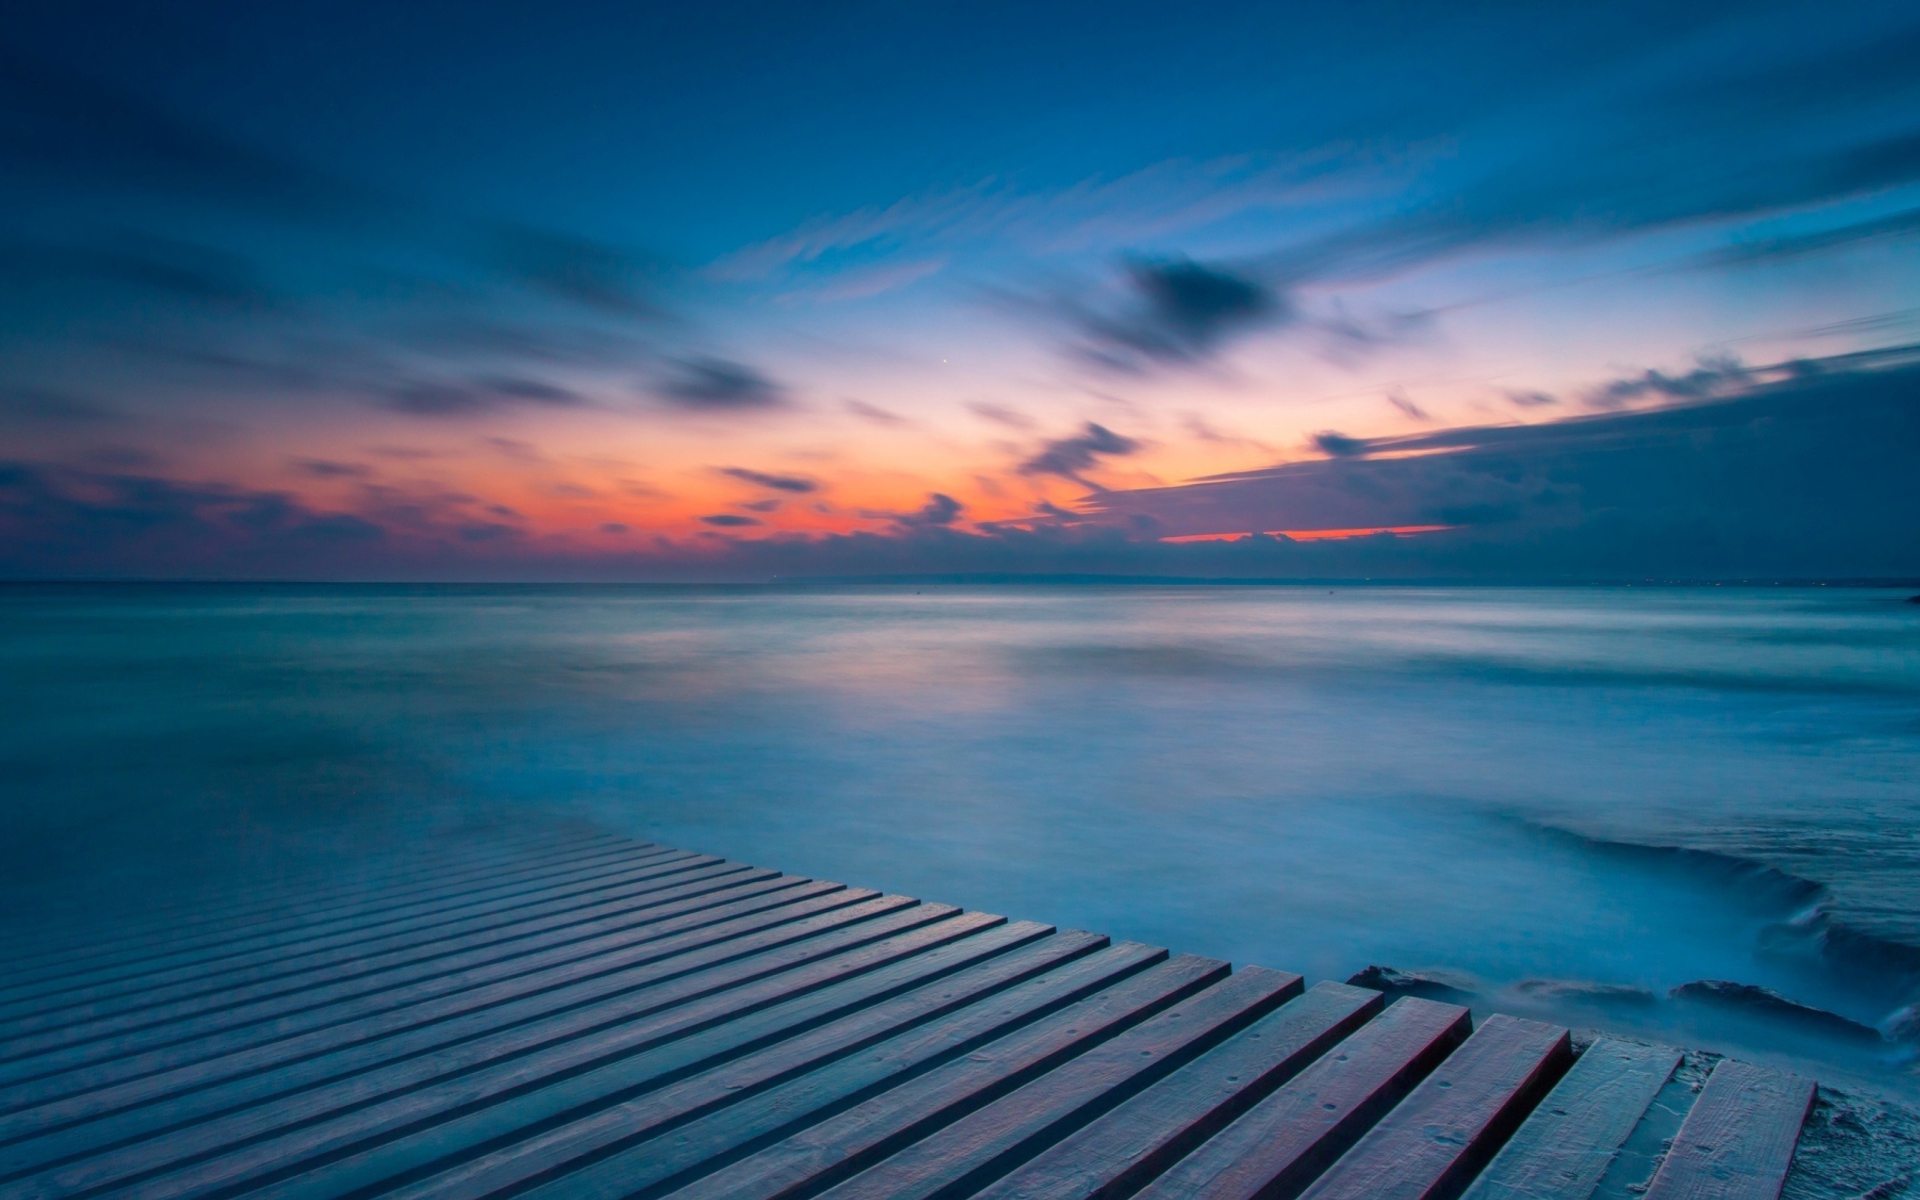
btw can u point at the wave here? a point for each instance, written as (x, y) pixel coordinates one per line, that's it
(1809, 925)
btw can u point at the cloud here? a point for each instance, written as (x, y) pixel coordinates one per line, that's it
(797, 484)
(1797, 471)
(1202, 430)
(447, 398)
(485, 531)
(1710, 378)
(1338, 445)
(1778, 249)
(439, 400)
(1802, 472)
(517, 450)
(57, 123)
(875, 414)
(1179, 312)
(1067, 458)
(1000, 414)
(63, 523)
(237, 268)
(513, 388)
(863, 284)
(321, 468)
(571, 268)
(143, 261)
(1407, 408)
(1531, 399)
(52, 406)
(1732, 148)
(720, 385)
(939, 511)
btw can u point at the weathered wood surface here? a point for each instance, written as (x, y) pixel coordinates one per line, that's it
(836, 1149)
(383, 981)
(249, 943)
(1432, 1142)
(50, 950)
(1737, 1141)
(575, 1016)
(250, 954)
(1141, 1138)
(1288, 1139)
(1565, 1147)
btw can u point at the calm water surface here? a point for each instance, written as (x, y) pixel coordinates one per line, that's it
(1533, 790)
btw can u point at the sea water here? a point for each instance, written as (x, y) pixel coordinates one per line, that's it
(1560, 802)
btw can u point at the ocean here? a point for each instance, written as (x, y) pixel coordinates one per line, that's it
(1563, 802)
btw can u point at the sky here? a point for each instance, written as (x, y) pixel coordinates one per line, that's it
(741, 290)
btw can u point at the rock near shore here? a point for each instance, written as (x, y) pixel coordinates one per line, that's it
(1765, 1002)
(1449, 989)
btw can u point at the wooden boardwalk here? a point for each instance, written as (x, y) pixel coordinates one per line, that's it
(578, 1015)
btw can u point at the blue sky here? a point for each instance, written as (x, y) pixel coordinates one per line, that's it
(533, 291)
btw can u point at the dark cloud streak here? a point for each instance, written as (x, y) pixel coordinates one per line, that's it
(779, 483)
(445, 398)
(720, 385)
(1178, 311)
(1068, 458)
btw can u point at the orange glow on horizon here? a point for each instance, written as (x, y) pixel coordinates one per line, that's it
(1314, 535)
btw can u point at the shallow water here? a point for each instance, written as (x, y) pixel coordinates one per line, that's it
(1463, 779)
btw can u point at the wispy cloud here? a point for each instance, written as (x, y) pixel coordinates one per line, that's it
(719, 385)
(1070, 457)
(797, 484)
(1000, 414)
(876, 415)
(453, 398)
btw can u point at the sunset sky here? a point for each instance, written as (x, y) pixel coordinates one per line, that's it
(732, 290)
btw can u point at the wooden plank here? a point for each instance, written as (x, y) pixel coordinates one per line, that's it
(238, 1052)
(245, 938)
(1565, 1147)
(1737, 1142)
(292, 1091)
(268, 975)
(251, 952)
(620, 1062)
(275, 886)
(589, 1020)
(292, 904)
(237, 940)
(53, 948)
(139, 955)
(765, 1117)
(575, 1038)
(463, 1171)
(1129, 1146)
(164, 1019)
(986, 1144)
(222, 1020)
(811, 1158)
(1432, 1143)
(1289, 1138)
